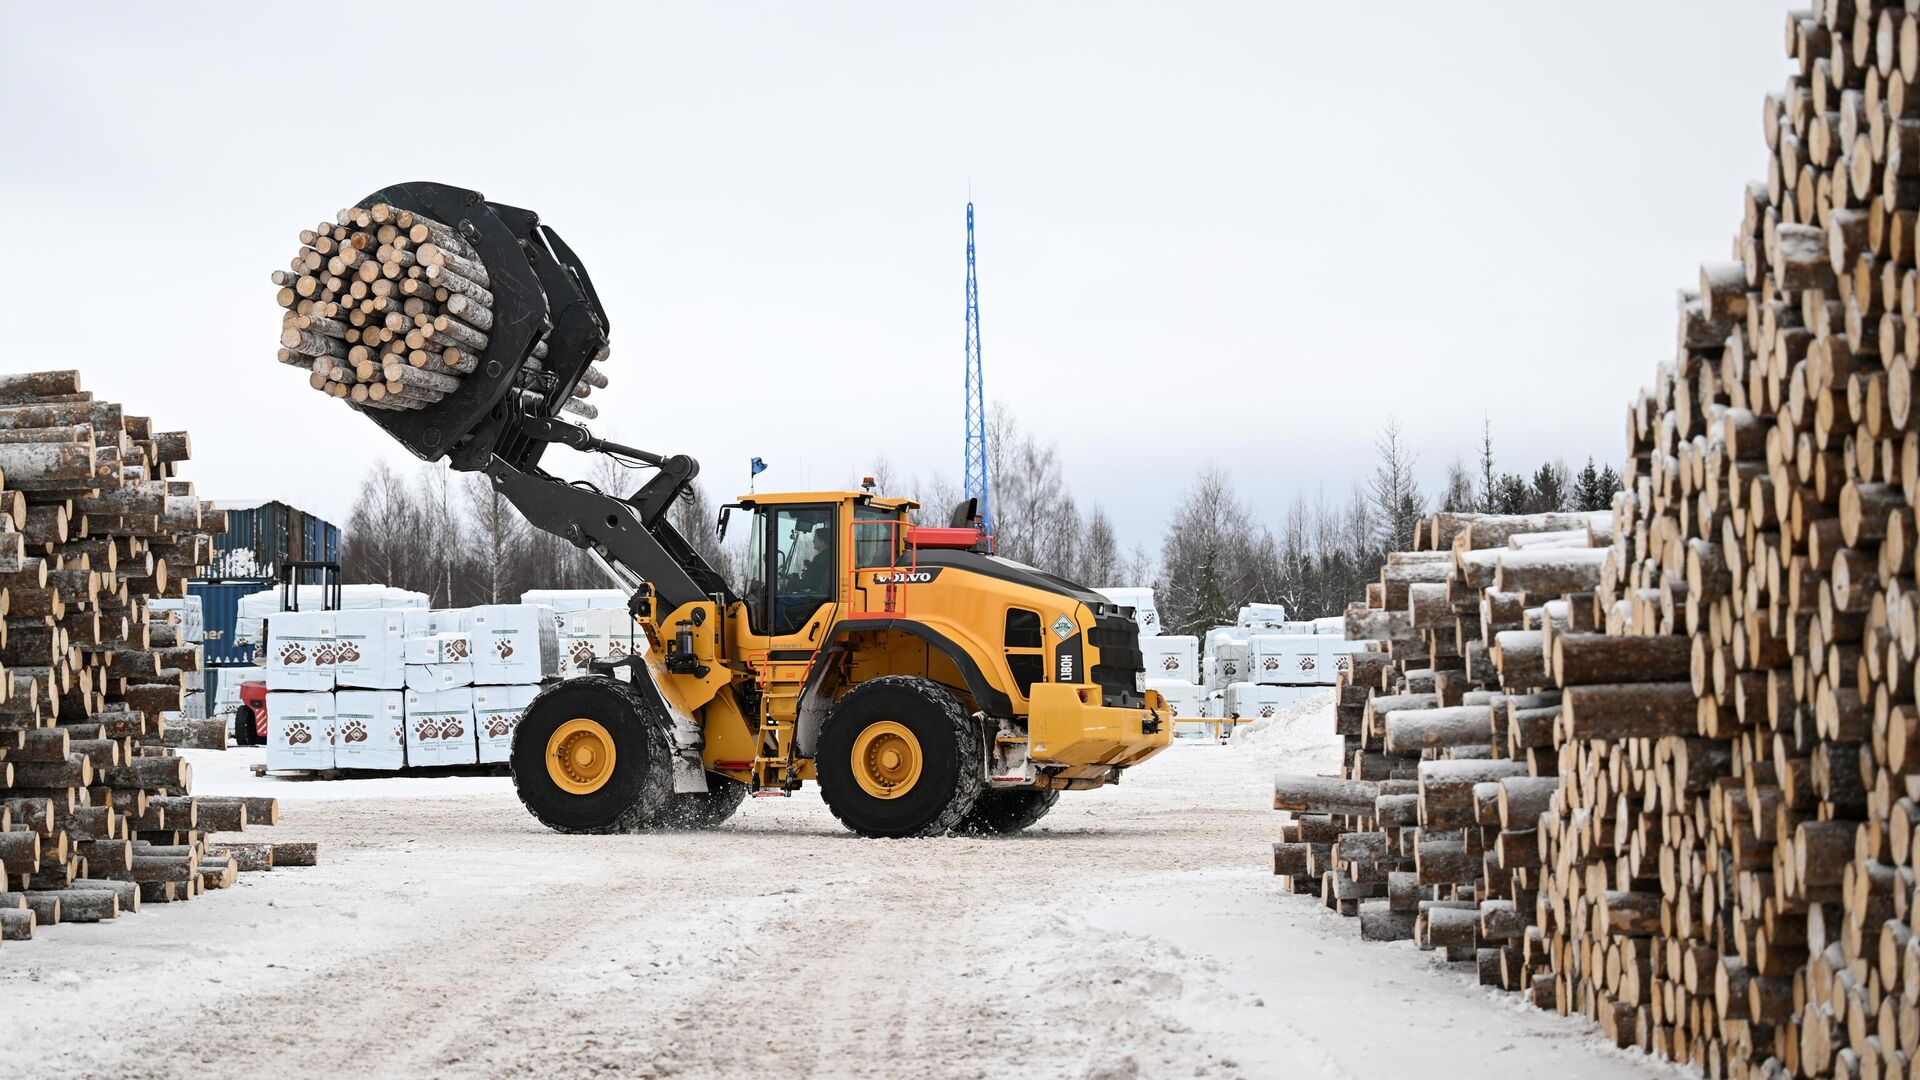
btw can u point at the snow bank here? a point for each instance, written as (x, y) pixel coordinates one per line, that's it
(1301, 734)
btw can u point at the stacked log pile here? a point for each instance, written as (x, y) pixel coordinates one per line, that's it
(1694, 814)
(95, 814)
(1448, 718)
(390, 310)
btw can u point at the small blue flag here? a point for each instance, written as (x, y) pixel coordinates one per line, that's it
(758, 467)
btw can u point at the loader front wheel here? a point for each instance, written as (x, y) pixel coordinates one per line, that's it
(705, 809)
(1008, 810)
(898, 756)
(591, 756)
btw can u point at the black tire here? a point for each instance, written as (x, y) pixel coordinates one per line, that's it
(704, 809)
(245, 727)
(1007, 810)
(636, 793)
(951, 749)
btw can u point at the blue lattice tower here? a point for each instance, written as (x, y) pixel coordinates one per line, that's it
(976, 482)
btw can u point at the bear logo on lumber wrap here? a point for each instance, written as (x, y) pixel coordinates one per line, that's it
(1271, 664)
(426, 728)
(292, 655)
(353, 731)
(347, 652)
(1309, 663)
(581, 653)
(451, 728)
(500, 726)
(1267, 710)
(298, 733)
(323, 654)
(503, 646)
(1171, 663)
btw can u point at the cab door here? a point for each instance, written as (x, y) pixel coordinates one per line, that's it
(795, 557)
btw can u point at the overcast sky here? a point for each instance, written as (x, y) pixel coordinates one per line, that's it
(1239, 234)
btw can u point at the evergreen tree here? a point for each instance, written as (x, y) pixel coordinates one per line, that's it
(1510, 495)
(1489, 479)
(1550, 489)
(1608, 487)
(1397, 501)
(1586, 488)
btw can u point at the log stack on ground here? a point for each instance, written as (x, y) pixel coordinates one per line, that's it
(95, 523)
(1704, 836)
(387, 309)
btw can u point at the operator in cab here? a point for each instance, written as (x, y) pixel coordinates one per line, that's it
(805, 589)
(816, 578)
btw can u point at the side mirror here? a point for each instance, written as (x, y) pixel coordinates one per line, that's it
(720, 526)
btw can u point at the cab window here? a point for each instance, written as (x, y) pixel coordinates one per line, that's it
(1023, 642)
(876, 537)
(756, 583)
(803, 568)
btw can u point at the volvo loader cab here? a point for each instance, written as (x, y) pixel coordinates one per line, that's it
(926, 684)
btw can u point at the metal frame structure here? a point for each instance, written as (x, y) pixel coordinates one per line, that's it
(977, 482)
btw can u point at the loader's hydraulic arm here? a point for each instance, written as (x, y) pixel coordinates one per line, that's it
(504, 415)
(632, 533)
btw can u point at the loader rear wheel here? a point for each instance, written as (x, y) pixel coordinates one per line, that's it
(591, 755)
(1007, 810)
(898, 756)
(705, 809)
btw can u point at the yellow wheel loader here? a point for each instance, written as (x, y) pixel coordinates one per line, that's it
(926, 684)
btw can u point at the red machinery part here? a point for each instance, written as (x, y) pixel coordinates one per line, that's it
(923, 536)
(253, 697)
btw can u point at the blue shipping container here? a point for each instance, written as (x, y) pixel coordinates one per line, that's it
(274, 533)
(220, 607)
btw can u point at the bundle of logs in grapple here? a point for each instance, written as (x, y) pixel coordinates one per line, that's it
(388, 309)
(95, 816)
(1673, 782)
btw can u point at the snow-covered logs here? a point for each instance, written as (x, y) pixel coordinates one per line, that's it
(95, 814)
(1711, 846)
(391, 310)
(1492, 682)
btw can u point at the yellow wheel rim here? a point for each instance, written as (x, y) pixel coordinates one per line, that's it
(886, 760)
(580, 756)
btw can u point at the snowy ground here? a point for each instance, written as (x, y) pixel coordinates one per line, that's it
(1136, 933)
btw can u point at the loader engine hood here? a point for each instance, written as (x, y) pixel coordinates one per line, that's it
(1019, 573)
(1110, 628)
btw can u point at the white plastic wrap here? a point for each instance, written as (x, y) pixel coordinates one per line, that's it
(300, 653)
(496, 713)
(370, 649)
(1172, 656)
(369, 729)
(513, 644)
(440, 727)
(299, 730)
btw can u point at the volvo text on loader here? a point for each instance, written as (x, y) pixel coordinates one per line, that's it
(924, 683)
